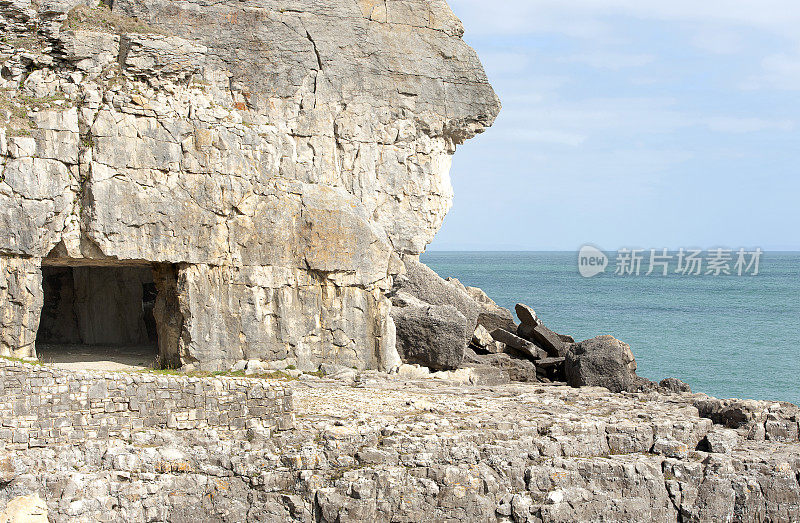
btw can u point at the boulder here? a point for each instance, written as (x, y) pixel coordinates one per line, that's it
(488, 375)
(481, 338)
(518, 369)
(550, 362)
(604, 362)
(527, 316)
(551, 369)
(499, 318)
(544, 337)
(673, 385)
(421, 282)
(492, 316)
(515, 342)
(431, 335)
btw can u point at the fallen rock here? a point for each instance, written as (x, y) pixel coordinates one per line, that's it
(603, 362)
(517, 369)
(492, 316)
(338, 372)
(674, 385)
(489, 375)
(550, 369)
(527, 316)
(421, 282)
(25, 509)
(544, 337)
(550, 362)
(431, 335)
(515, 342)
(566, 338)
(413, 372)
(481, 338)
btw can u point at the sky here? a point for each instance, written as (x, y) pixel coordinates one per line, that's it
(632, 123)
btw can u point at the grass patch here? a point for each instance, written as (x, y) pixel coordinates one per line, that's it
(102, 19)
(32, 42)
(21, 360)
(274, 375)
(14, 110)
(14, 113)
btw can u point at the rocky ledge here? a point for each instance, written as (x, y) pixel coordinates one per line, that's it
(373, 447)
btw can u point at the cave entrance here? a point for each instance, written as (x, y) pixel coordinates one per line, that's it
(101, 317)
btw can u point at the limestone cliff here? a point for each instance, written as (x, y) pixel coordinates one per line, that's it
(270, 160)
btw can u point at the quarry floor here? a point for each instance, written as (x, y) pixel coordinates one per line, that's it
(372, 447)
(111, 358)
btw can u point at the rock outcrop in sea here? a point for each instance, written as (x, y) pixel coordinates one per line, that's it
(247, 187)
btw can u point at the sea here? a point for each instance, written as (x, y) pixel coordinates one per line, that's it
(729, 336)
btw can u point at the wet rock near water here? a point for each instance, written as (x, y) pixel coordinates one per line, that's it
(602, 362)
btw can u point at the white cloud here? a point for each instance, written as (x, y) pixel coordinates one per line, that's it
(780, 71)
(586, 17)
(718, 41)
(610, 61)
(747, 125)
(717, 24)
(545, 136)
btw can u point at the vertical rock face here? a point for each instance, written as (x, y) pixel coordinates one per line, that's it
(275, 157)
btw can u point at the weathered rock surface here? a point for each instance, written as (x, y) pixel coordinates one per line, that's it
(392, 449)
(519, 344)
(491, 315)
(527, 316)
(513, 368)
(602, 362)
(25, 509)
(277, 157)
(421, 282)
(481, 338)
(430, 335)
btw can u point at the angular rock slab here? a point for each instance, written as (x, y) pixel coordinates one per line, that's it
(421, 282)
(522, 345)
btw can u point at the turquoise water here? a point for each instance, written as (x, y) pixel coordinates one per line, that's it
(728, 336)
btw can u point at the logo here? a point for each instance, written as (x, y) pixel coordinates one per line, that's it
(591, 261)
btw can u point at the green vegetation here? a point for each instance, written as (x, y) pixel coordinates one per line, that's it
(15, 115)
(274, 375)
(102, 19)
(31, 42)
(21, 360)
(14, 110)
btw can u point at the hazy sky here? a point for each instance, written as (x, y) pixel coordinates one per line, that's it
(632, 123)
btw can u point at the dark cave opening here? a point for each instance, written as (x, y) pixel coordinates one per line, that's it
(98, 313)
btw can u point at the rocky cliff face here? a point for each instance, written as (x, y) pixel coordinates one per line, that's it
(269, 160)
